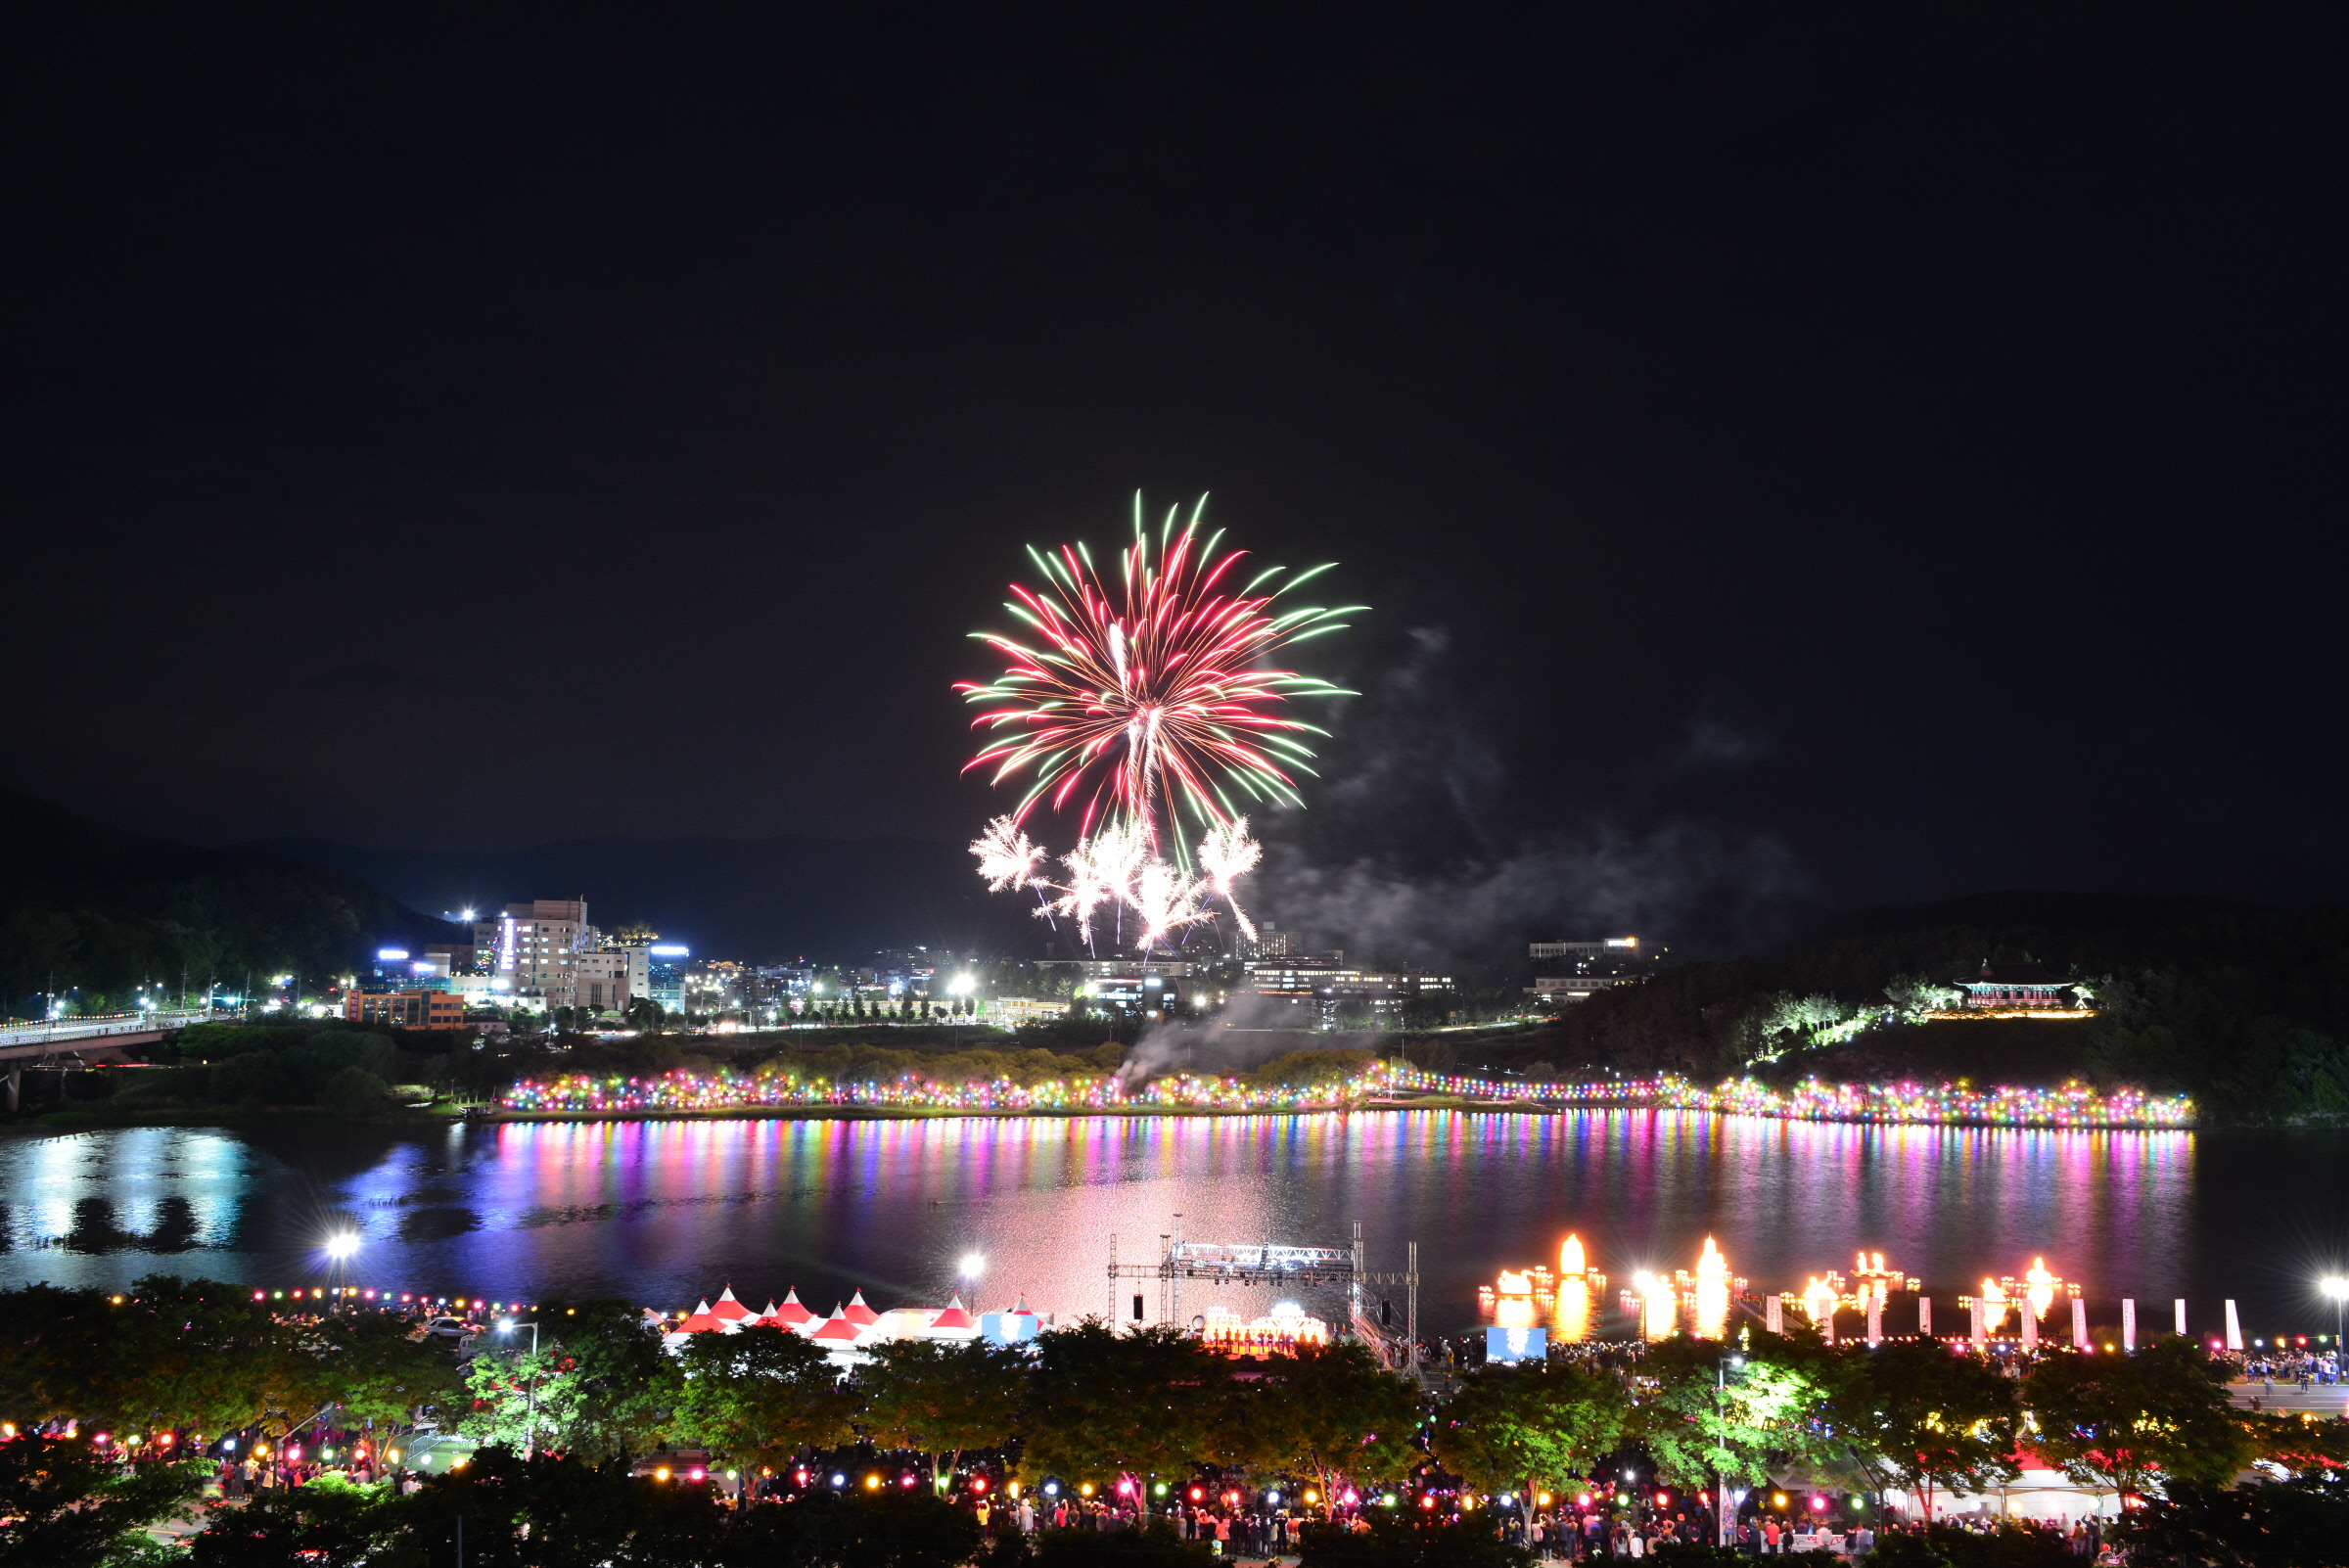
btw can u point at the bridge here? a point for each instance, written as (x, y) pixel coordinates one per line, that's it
(62, 1042)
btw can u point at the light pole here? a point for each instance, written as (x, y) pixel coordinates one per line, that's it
(2338, 1289)
(1721, 1488)
(530, 1419)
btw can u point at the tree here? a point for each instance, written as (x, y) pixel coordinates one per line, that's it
(330, 1523)
(759, 1396)
(1530, 1425)
(822, 1529)
(1915, 995)
(1334, 1414)
(230, 1362)
(1101, 1403)
(2122, 1421)
(645, 1015)
(941, 1399)
(370, 1366)
(548, 1511)
(1931, 1419)
(62, 1506)
(1706, 1419)
(2011, 1545)
(603, 1386)
(2298, 1523)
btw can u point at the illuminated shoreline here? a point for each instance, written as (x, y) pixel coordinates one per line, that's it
(1384, 1087)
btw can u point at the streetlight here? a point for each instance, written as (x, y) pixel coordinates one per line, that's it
(530, 1419)
(2337, 1288)
(1721, 1488)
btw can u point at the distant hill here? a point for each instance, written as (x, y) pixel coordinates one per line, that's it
(755, 899)
(89, 907)
(2245, 1008)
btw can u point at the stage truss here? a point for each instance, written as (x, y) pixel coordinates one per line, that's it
(1273, 1265)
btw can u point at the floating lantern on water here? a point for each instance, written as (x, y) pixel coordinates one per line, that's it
(1521, 1298)
(1872, 1276)
(2035, 1291)
(1710, 1301)
(1993, 1302)
(1656, 1302)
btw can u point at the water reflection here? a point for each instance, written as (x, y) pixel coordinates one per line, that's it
(662, 1212)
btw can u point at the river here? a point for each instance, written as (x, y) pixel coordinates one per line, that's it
(664, 1213)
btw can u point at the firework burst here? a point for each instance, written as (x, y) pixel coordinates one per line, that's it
(1139, 707)
(1227, 854)
(1148, 694)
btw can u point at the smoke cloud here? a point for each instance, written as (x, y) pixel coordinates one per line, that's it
(1246, 1033)
(1437, 834)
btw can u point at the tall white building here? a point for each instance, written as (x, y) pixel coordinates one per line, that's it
(544, 954)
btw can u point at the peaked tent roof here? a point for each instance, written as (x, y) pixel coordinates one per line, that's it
(836, 1328)
(728, 1307)
(857, 1311)
(791, 1312)
(953, 1316)
(700, 1320)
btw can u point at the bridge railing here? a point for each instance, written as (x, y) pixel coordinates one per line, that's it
(65, 1029)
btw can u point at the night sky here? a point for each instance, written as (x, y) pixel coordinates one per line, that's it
(1837, 454)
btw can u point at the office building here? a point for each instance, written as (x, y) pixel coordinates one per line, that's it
(544, 954)
(1574, 971)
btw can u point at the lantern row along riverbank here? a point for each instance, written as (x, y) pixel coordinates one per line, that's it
(1382, 1085)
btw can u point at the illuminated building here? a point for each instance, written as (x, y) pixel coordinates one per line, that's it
(1136, 984)
(1582, 969)
(409, 1006)
(1271, 943)
(1331, 989)
(2015, 985)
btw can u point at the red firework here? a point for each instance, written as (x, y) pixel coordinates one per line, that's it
(1153, 695)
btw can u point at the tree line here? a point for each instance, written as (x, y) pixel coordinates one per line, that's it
(1087, 1405)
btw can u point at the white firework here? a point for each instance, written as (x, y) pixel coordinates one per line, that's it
(1102, 870)
(1006, 858)
(1227, 854)
(1166, 900)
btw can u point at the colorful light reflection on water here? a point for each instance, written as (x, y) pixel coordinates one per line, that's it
(664, 1211)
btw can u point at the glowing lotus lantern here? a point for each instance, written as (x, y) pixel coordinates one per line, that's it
(1994, 1304)
(1819, 1300)
(1712, 1295)
(1659, 1305)
(1571, 1260)
(1513, 1283)
(2039, 1286)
